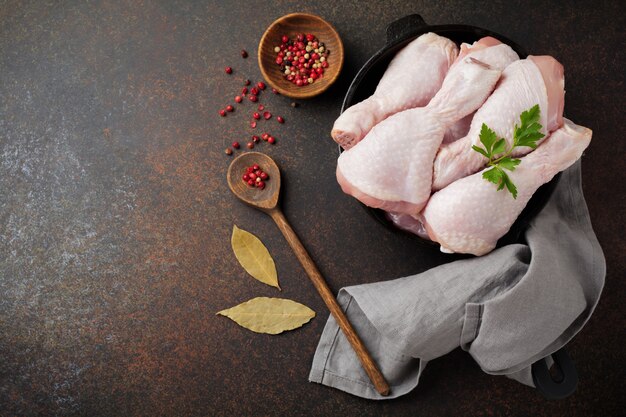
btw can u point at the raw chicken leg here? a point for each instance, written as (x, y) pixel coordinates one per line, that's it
(470, 215)
(536, 80)
(392, 167)
(413, 77)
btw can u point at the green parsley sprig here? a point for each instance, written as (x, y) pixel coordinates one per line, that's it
(526, 134)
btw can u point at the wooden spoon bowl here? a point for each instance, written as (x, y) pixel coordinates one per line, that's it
(265, 199)
(291, 25)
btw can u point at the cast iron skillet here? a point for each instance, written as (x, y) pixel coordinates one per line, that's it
(399, 34)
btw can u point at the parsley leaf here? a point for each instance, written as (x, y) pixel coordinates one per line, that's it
(525, 134)
(509, 185)
(509, 163)
(528, 133)
(499, 177)
(493, 175)
(487, 137)
(480, 151)
(499, 147)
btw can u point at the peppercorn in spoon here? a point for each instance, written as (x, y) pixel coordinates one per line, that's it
(266, 200)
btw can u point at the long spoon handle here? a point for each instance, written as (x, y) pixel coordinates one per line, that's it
(316, 277)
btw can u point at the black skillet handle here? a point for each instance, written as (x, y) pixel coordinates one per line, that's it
(403, 26)
(565, 382)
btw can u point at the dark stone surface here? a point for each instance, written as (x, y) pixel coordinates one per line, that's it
(115, 217)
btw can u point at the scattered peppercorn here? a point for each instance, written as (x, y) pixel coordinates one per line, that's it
(255, 90)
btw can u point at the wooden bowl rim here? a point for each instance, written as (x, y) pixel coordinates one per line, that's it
(299, 92)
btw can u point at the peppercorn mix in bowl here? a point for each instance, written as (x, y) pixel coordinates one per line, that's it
(300, 55)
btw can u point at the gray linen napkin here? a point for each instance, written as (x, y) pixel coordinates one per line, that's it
(518, 304)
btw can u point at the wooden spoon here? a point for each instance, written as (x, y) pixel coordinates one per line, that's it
(267, 201)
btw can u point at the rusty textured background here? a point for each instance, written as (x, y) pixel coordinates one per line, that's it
(115, 217)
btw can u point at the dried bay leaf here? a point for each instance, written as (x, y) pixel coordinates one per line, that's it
(269, 315)
(254, 257)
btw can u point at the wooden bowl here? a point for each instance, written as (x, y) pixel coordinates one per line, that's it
(291, 25)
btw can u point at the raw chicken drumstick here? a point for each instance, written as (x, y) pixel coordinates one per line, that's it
(536, 80)
(413, 77)
(470, 215)
(392, 167)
